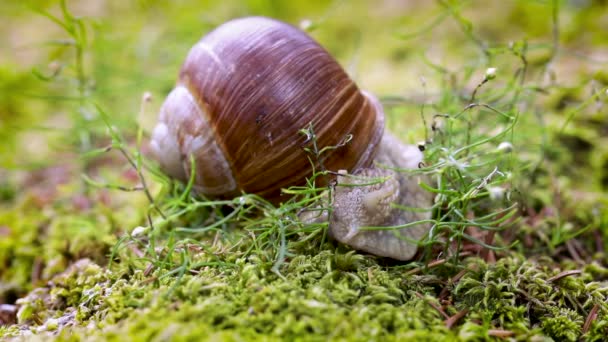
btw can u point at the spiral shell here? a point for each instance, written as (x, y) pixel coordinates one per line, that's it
(244, 92)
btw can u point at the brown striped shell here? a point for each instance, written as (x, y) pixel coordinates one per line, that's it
(244, 92)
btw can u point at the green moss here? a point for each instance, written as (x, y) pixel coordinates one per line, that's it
(319, 296)
(562, 325)
(238, 301)
(18, 251)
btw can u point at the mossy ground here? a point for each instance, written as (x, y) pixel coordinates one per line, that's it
(520, 222)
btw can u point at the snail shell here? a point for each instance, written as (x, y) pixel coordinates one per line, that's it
(243, 94)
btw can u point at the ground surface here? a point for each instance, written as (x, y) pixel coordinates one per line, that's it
(96, 244)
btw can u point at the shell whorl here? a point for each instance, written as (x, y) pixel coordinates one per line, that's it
(249, 87)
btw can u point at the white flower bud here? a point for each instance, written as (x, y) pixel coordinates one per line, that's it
(138, 231)
(305, 24)
(147, 97)
(496, 193)
(490, 73)
(505, 147)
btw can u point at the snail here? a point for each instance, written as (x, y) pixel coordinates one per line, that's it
(244, 93)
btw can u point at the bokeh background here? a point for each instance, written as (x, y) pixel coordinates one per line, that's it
(392, 48)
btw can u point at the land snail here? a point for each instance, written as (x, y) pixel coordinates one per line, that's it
(245, 92)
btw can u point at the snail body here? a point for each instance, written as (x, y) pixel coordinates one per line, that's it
(362, 200)
(244, 93)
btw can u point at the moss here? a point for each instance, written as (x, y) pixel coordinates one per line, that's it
(562, 325)
(319, 296)
(18, 251)
(34, 247)
(522, 296)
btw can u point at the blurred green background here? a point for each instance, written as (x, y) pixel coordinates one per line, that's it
(391, 47)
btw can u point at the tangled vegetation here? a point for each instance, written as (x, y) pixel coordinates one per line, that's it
(508, 100)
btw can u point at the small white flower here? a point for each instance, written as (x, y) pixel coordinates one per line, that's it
(490, 73)
(244, 200)
(505, 146)
(147, 97)
(138, 231)
(438, 123)
(305, 24)
(496, 193)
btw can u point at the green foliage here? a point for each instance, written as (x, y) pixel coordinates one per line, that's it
(562, 325)
(15, 111)
(520, 295)
(346, 296)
